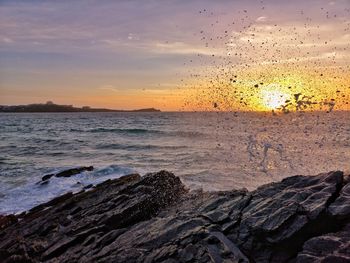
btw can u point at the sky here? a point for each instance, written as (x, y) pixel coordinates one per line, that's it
(176, 54)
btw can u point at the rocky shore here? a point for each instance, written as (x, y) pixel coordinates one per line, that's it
(154, 218)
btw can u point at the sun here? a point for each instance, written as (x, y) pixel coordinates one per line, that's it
(273, 96)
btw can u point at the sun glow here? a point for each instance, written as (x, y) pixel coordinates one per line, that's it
(272, 97)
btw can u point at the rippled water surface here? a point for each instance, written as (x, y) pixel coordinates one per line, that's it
(213, 151)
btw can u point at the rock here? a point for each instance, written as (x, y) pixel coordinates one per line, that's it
(5, 221)
(341, 206)
(332, 247)
(88, 186)
(154, 219)
(74, 171)
(281, 216)
(68, 173)
(55, 229)
(47, 177)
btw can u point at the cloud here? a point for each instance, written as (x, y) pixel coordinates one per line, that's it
(184, 49)
(132, 36)
(109, 88)
(114, 41)
(7, 40)
(261, 19)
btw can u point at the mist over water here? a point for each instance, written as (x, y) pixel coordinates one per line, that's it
(213, 151)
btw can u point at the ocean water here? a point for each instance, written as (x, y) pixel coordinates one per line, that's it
(212, 151)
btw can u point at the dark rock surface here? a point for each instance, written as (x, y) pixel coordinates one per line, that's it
(7, 220)
(332, 247)
(154, 219)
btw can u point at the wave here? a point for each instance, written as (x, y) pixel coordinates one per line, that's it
(117, 146)
(118, 130)
(187, 134)
(141, 131)
(113, 170)
(133, 131)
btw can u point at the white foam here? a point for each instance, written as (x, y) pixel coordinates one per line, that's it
(25, 197)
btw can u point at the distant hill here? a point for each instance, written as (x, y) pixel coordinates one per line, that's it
(52, 107)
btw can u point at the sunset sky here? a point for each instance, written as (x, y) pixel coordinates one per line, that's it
(174, 54)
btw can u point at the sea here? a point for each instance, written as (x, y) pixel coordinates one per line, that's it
(212, 151)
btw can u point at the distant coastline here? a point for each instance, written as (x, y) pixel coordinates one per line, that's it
(52, 107)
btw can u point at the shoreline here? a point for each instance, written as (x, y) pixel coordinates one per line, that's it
(154, 218)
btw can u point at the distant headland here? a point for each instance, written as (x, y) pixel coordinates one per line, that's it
(52, 107)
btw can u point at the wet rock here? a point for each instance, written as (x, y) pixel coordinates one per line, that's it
(74, 171)
(68, 173)
(154, 219)
(88, 186)
(47, 177)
